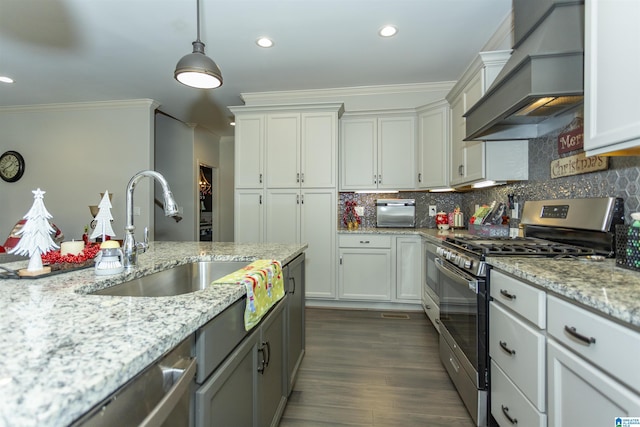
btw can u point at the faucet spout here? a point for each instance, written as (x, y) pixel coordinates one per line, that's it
(130, 247)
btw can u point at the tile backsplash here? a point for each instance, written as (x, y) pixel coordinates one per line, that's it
(622, 179)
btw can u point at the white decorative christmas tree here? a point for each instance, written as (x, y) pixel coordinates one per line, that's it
(103, 219)
(35, 234)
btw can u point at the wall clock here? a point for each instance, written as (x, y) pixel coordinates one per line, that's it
(11, 166)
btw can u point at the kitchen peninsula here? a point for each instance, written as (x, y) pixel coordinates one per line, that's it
(63, 350)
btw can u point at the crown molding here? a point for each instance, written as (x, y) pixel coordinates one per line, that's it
(96, 105)
(276, 97)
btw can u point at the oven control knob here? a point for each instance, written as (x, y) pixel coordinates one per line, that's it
(468, 263)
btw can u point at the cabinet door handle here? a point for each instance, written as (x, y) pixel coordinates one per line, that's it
(503, 345)
(263, 360)
(340, 260)
(293, 279)
(302, 177)
(582, 338)
(268, 353)
(298, 177)
(507, 295)
(419, 177)
(428, 307)
(379, 179)
(298, 199)
(375, 179)
(260, 200)
(461, 170)
(260, 178)
(505, 411)
(364, 242)
(302, 199)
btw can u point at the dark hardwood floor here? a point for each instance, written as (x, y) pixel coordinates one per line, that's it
(372, 368)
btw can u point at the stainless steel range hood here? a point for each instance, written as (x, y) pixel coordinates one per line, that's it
(543, 77)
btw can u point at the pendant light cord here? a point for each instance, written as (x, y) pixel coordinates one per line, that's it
(198, 20)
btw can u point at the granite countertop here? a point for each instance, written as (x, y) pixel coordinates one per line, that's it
(64, 351)
(597, 285)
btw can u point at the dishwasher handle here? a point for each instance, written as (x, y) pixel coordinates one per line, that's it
(181, 377)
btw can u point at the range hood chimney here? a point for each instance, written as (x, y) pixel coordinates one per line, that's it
(543, 78)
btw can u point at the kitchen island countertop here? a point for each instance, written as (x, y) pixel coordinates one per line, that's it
(64, 351)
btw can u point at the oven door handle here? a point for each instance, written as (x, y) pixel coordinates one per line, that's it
(457, 275)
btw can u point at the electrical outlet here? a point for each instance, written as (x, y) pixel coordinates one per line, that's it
(360, 210)
(432, 210)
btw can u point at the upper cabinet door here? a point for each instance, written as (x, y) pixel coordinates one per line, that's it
(319, 145)
(612, 77)
(358, 160)
(249, 146)
(396, 153)
(433, 140)
(283, 150)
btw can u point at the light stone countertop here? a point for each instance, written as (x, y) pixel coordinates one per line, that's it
(63, 351)
(597, 285)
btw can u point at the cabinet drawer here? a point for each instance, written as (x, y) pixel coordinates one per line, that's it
(364, 241)
(508, 402)
(524, 299)
(519, 349)
(610, 346)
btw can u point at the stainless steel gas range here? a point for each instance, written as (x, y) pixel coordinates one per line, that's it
(552, 228)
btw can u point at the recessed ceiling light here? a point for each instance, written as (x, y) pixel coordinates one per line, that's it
(264, 42)
(388, 31)
(5, 79)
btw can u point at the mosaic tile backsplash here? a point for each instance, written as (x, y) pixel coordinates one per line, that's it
(622, 179)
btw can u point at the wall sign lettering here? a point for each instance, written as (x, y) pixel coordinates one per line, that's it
(571, 140)
(578, 164)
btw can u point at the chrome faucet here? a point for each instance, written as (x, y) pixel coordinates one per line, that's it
(130, 247)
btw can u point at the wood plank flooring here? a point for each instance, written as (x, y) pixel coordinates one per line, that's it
(365, 369)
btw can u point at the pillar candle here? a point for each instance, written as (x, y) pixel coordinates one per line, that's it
(73, 247)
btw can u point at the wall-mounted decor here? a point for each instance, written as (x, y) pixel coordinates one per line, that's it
(572, 137)
(578, 164)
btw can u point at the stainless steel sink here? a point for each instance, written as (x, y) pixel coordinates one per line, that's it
(175, 281)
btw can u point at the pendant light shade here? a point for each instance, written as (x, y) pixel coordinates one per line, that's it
(197, 69)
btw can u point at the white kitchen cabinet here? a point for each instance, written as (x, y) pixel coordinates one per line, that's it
(365, 271)
(301, 149)
(433, 141)
(249, 151)
(475, 161)
(378, 152)
(580, 394)
(249, 216)
(306, 216)
(409, 268)
(517, 346)
(612, 83)
(293, 198)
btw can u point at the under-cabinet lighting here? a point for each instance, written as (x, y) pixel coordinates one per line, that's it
(265, 42)
(441, 190)
(5, 79)
(388, 31)
(376, 192)
(484, 184)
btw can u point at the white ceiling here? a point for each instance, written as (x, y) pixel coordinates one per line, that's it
(92, 50)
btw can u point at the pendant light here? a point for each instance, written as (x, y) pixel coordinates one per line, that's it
(197, 69)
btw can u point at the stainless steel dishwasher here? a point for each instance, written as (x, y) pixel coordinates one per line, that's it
(161, 395)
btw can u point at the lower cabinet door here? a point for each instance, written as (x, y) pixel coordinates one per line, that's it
(580, 394)
(509, 406)
(295, 318)
(272, 377)
(365, 274)
(229, 397)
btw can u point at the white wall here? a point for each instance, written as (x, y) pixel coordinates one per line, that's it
(74, 152)
(174, 159)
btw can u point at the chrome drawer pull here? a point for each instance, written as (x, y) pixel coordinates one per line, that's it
(582, 338)
(505, 411)
(364, 241)
(507, 294)
(503, 345)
